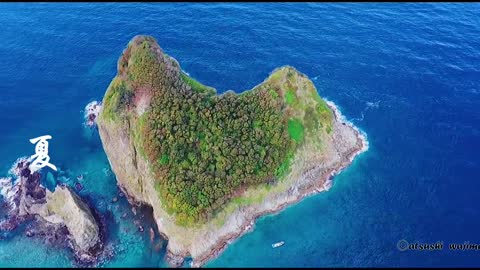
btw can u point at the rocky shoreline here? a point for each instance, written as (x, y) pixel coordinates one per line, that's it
(325, 179)
(60, 217)
(328, 145)
(316, 182)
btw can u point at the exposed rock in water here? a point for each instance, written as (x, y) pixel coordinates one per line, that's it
(64, 206)
(29, 233)
(92, 111)
(60, 215)
(78, 186)
(152, 234)
(174, 260)
(52, 234)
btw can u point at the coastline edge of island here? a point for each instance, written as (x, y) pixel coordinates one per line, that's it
(326, 179)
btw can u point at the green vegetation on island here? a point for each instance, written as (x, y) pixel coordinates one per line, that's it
(204, 148)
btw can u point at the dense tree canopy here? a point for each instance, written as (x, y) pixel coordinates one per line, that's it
(202, 147)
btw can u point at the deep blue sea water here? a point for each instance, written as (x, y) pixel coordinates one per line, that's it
(406, 74)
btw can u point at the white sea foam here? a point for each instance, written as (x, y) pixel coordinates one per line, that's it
(10, 185)
(341, 117)
(375, 104)
(14, 171)
(6, 184)
(370, 105)
(94, 108)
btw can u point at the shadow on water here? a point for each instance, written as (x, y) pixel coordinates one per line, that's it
(157, 244)
(120, 222)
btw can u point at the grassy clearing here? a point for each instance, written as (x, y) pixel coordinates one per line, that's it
(290, 97)
(296, 130)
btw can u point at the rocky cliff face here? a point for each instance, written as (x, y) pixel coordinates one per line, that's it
(321, 155)
(64, 206)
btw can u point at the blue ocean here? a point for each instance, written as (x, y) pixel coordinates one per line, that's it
(406, 74)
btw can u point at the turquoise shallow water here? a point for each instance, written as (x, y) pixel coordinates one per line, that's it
(406, 74)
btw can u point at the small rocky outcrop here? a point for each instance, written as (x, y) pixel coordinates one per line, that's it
(62, 212)
(64, 206)
(91, 113)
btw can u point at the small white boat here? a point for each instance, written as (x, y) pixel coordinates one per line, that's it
(279, 244)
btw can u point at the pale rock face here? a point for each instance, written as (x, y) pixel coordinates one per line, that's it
(64, 206)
